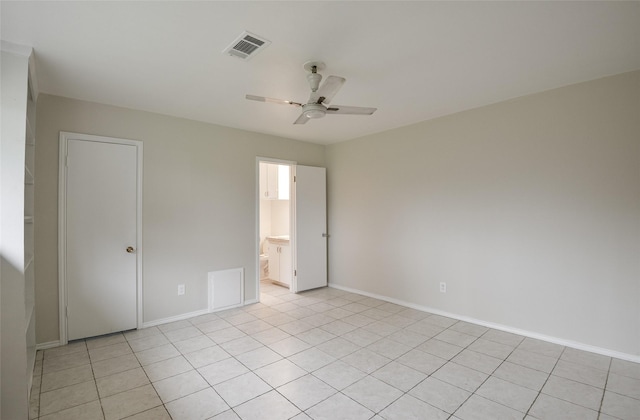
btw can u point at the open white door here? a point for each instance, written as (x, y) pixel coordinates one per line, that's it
(310, 228)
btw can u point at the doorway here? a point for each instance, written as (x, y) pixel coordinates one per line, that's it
(275, 224)
(100, 231)
(292, 226)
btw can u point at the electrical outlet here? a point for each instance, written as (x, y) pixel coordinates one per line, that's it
(180, 289)
(443, 287)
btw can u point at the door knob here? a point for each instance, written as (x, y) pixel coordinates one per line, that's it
(131, 250)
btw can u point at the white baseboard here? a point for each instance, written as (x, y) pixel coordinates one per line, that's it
(174, 318)
(506, 328)
(48, 345)
(251, 301)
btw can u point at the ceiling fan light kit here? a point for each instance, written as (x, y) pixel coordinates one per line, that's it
(320, 95)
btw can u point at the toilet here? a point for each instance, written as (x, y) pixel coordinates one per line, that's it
(264, 261)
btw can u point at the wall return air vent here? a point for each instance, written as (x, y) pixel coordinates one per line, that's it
(246, 46)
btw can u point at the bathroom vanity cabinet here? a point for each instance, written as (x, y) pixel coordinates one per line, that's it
(279, 260)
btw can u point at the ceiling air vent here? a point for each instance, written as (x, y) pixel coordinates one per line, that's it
(246, 46)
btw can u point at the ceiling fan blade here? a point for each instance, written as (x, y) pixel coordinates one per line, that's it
(329, 88)
(352, 110)
(302, 119)
(272, 100)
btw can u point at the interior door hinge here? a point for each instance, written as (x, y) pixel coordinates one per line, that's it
(294, 179)
(66, 312)
(295, 272)
(66, 161)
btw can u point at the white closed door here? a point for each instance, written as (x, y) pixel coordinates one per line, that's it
(310, 228)
(101, 229)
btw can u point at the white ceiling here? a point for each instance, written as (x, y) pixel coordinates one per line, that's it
(412, 60)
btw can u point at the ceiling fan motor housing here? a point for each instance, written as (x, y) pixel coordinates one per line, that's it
(314, 110)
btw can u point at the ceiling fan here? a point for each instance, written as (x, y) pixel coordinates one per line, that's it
(320, 95)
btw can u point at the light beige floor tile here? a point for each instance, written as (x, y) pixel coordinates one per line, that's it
(479, 408)
(460, 376)
(312, 359)
(157, 354)
(242, 388)
(269, 406)
(227, 415)
(508, 394)
(165, 328)
(289, 346)
(541, 347)
(120, 382)
(503, 337)
(148, 342)
(399, 376)
(620, 406)
(411, 408)
(624, 385)
(477, 361)
(314, 336)
(183, 333)
(360, 337)
(521, 375)
(66, 361)
(213, 325)
(157, 413)
(193, 344)
(130, 402)
(62, 378)
(456, 338)
(115, 365)
(440, 348)
(584, 358)
(339, 407)
(469, 329)
(389, 348)
(72, 347)
(166, 368)
(366, 360)
(240, 345)
(143, 332)
(339, 374)
(88, 411)
(419, 360)
(198, 406)
(109, 352)
(223, 370)
(67, 397)
(306, 391)
(410, 338)
(625, 368)
(225, 334)
(574, 392)
(280, 373)
(491, 348)
(180, 385)
(547, 407)
(580, 373)
(440, 394)
(372, 393)
(533, 360)
(105, 340)
(338, 347)
(206, 356)
(259, 357)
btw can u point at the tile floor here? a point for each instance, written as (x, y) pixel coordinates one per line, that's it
(328, 354)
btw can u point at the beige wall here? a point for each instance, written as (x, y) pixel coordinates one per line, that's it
(528, 209)
(199, 201)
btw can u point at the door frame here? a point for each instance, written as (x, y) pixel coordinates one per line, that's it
(62, 223)
(292, 164)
